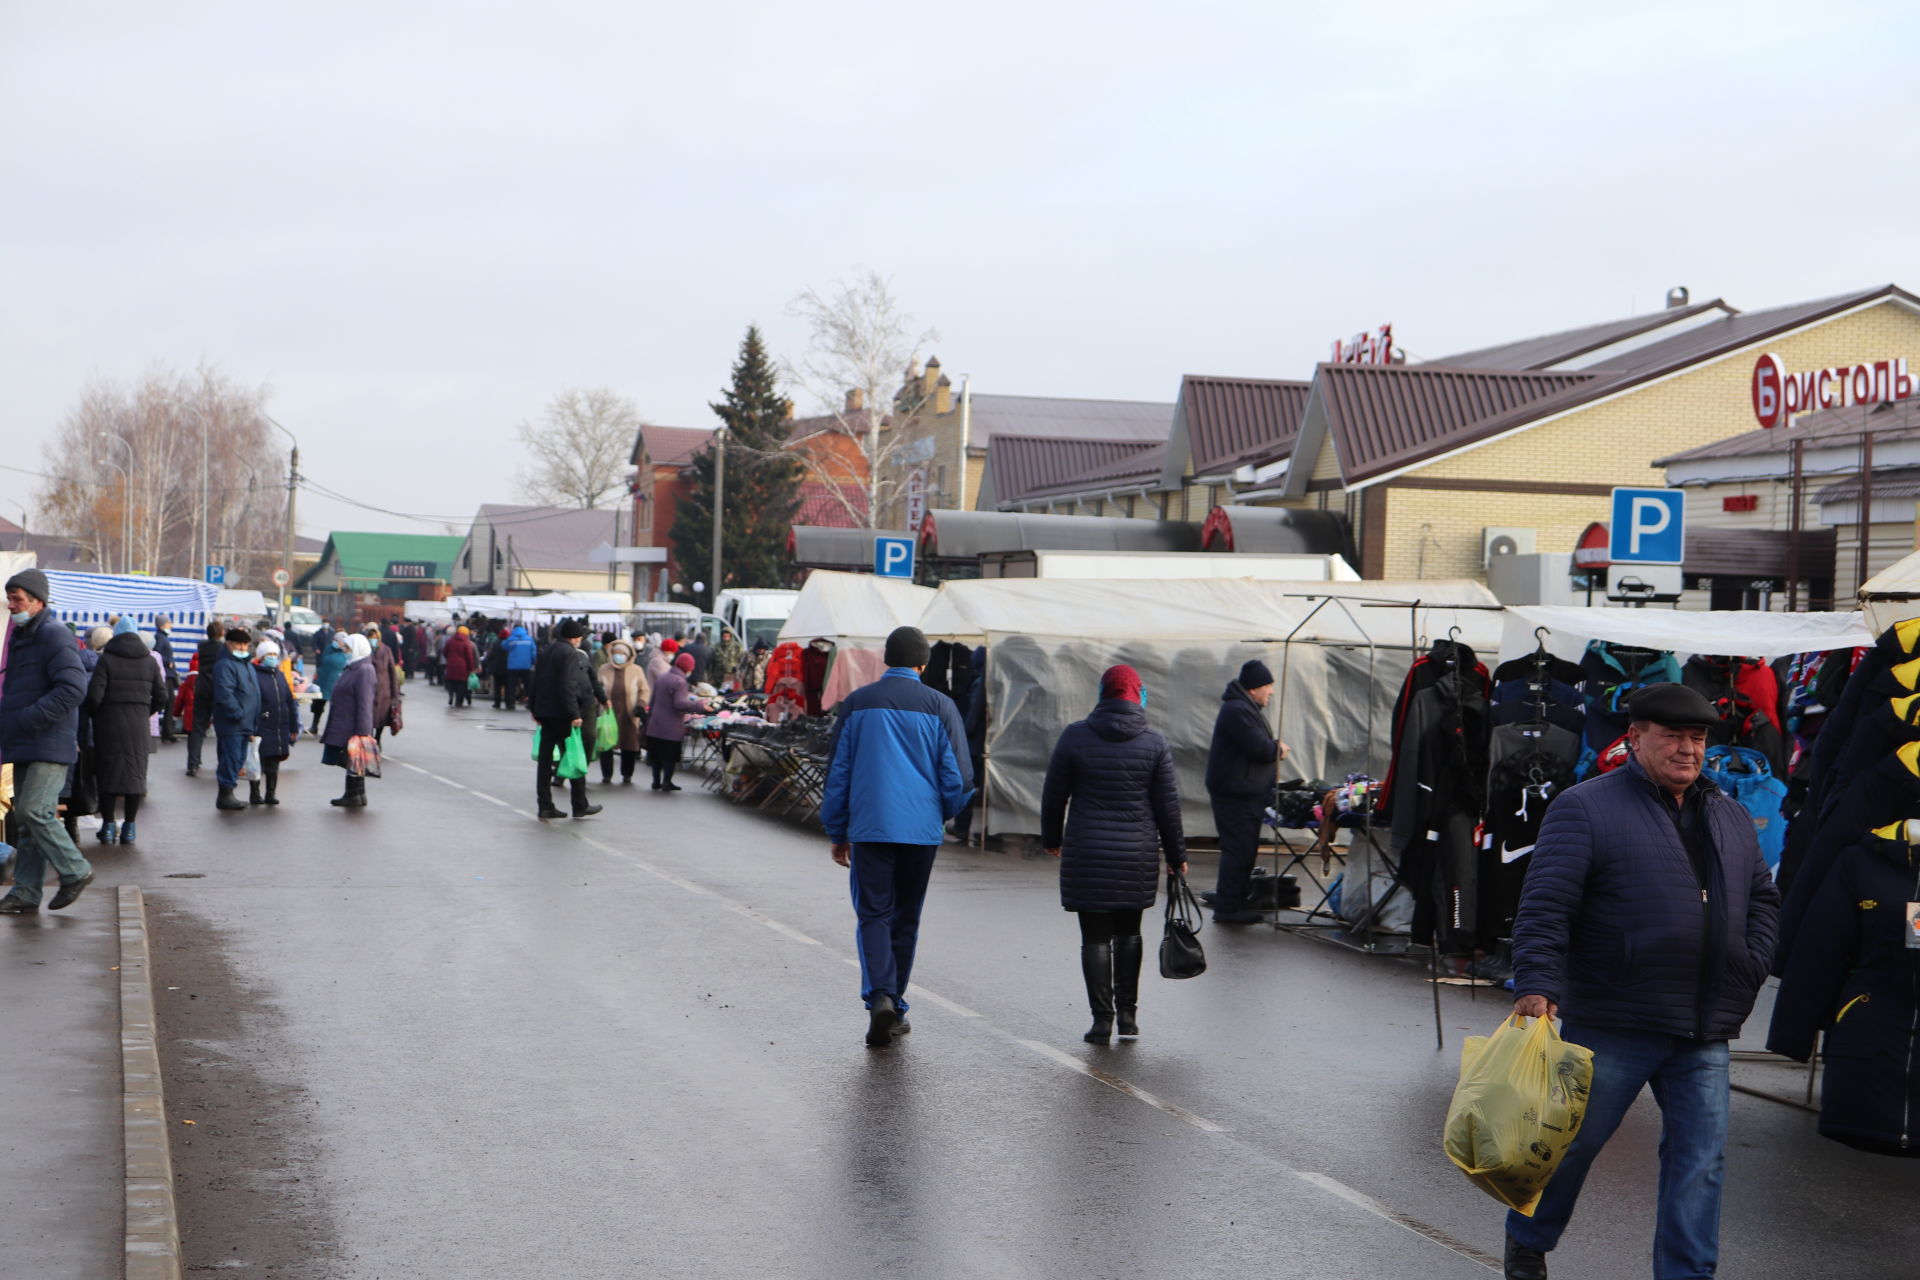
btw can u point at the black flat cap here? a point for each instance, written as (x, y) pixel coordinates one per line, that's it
(1672, 705)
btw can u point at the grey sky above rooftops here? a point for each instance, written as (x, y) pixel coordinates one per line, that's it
(416, 222)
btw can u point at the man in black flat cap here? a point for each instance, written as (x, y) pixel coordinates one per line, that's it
(566, 696)
(1648, 914)
(1242, 763)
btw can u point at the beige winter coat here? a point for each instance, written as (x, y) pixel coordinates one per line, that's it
(626, 684)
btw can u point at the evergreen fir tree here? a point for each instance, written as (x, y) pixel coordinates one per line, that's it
(762, 486)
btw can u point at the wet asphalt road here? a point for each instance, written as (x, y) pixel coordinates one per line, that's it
(439, 1039)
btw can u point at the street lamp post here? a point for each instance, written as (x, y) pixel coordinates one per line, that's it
(293, 490)
(719, 504)
(126, 502)
(126, 478)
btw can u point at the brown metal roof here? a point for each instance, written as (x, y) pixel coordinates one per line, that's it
(1141, 466)
(1234, 422)
(993, 415)
(668, 446)
(1892, 419)
(1023, 466)
(1757, 553)
(1388, 416)
(1894, 482)
(1555, 348)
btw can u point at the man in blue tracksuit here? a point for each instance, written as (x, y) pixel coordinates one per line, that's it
(898, 770)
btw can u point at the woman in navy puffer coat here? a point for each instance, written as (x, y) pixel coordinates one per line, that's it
(1110, 809)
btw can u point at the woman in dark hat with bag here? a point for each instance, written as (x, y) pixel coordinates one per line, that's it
(1109, 810)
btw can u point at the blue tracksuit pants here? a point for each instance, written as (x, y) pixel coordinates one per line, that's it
(889, 884)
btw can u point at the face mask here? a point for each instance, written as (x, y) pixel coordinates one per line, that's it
(240, 654)
(619, 659)
(1143, 697)
(21, 618)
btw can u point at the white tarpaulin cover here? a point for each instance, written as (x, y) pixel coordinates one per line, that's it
(1893, 594)
(1743, 633)
(846, 607)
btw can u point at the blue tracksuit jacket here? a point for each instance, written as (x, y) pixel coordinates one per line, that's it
(899, 766)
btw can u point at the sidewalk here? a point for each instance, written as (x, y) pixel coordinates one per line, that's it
(61, 1173)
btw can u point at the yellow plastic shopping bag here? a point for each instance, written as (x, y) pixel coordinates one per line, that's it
(1521, 1098)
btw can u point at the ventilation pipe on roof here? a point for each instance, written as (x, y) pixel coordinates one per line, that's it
(856, 398)
(1677, 296)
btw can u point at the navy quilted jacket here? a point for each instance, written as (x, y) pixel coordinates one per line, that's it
(40, 705)
(1614, 926)
(1111, 805)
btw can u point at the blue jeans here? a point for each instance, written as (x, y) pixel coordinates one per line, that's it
(889, 884)
(232, 749)
(43, 838)
(1689, 1079)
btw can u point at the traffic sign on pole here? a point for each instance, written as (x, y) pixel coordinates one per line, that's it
(281, 577)
(1649, 526)
(893, 557)
(217, 575)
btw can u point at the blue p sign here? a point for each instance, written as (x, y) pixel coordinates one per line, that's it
(1649, 526)
(893, 557)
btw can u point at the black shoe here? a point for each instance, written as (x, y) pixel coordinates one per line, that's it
(13, 906)
(900, 1027)
(656, 786)
(226, 800)
(881, 1015)
(671, 786)
(1207, 897)
(588, 812)
(1244, 916)
(70, 891)
(192, 772)
(549, 813)
(626, 779)
(253, 793)
(1524, 1263)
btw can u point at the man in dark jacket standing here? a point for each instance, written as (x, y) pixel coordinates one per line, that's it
(212, 650)
(236, 715)
(40, 737)
(566, 694)
(1242, 762)
(702, 655)
(1649, 914)
(163, 649)
(897, 771)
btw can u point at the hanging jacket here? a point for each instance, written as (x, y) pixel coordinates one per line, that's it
(1529, 766)
(1854, 975)
(1616, 927)
(1613, 673)
(1241, 756)
(1440, 771)
(1745, 775)
(1426, 669)
(1111, 805)
(1885, 793)
(1747, 695)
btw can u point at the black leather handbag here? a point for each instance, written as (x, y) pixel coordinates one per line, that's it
(1180, 953)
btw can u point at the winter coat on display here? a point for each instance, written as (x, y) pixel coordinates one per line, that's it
(976, 718)
(628, 690)
(125, 689)
(670, 706)
(327, 670)
(1746, 776)
(279, 723)
(1746, 693)
(912, 772)
(1428, 668)
(236, 697)
(1111, 805)
(1241, 756)
(1854, 976)
(350, 709)
(814, 663)
(1440, 787)
(1616, 927)
(1540, 687)
(461, 659)
(1613, 672)
(40, 698)
(520, 650)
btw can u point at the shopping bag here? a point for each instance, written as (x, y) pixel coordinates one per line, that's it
(1522, 1096)
(606, 731)
(363, 756)
(573, 758)
(473, 682)
(250, 770)
(1180, 953)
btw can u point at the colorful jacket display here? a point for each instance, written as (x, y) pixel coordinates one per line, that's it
(898, 764)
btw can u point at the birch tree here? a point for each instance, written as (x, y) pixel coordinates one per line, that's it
(579, 449)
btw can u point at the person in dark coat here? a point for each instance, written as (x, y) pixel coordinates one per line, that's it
(458, 660)
(236, 713)
(566, 696)
(388, 678)
(210, 651)
(1110, 810)
(163, 648)
(702, 656)
(327, 666)
(39, 737)
(1242, 765)
(667, 714)
(350, 716)
(279, 723)
(125, 690)
(1649, 914)
(1855, 974)
(975, 717)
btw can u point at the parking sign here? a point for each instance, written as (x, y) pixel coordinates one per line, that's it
(893, 557)
(217, 575)
(1649, 526)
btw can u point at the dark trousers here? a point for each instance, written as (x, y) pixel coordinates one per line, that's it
(517, 682)
(108, 804)
(1104, 926)
(196, 740)
(319, 707)
(664, 756)
(889, 883)
(628, 759)
(553, 737)
(1237, 819)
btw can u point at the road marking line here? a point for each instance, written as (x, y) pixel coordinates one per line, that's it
(1115, 1082)
(953, 1007)
(1360, 1198)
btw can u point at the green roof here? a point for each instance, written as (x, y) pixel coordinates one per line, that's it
(366, 557)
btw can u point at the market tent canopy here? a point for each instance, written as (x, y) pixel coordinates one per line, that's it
(821, 547)
(90, 599)
(857, 611)
(1893, 594)
(1745, 633)
(962, 535)
(1278, 529)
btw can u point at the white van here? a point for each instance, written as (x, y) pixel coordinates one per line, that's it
(755, 614)
(670, 618)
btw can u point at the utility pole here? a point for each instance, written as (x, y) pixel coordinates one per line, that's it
(719, 503)
(293, 488)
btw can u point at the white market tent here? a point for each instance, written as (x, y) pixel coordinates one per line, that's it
(1892, 595)
(1338, 663)
(857, 611)
(1745, 633)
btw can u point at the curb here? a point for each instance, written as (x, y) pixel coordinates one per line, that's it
(152, 1222)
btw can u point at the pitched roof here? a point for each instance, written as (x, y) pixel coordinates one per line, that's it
(550, 537)
(51, 550)
(820, 508)
(991, 415)
(8, 526)
(1896, 482)
(364, 557)
(305, 546)
(1233, 422)
(1140, 466)
(1025, 465)
(1889, 419)
(668, 446)
(1556, 348)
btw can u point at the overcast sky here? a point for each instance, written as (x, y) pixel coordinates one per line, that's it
(415, 222)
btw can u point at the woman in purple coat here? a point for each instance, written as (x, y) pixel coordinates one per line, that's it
(667, 721)
(350, 716)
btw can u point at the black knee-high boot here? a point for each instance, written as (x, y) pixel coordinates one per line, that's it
(1096, 966)
(1127, 950)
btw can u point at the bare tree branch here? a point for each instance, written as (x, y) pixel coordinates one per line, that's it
(580, 448)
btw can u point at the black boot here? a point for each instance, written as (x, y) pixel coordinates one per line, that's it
(226, 800)
(356, 793)
(1096, 966)
(273, 788)
(1127, 950)
(253, 793)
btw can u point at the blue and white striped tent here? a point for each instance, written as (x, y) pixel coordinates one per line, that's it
(88, 600)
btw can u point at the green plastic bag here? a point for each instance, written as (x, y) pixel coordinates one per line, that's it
(473, 682)
(1521, 1098)
(606, 732)
(573, 758)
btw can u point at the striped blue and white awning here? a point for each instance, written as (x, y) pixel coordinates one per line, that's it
(89, 600)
